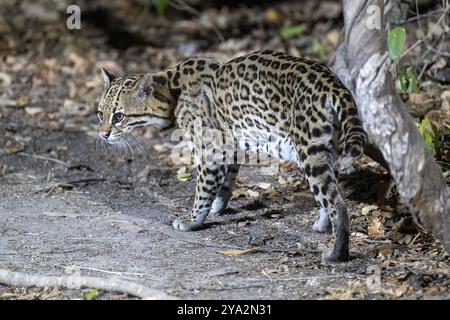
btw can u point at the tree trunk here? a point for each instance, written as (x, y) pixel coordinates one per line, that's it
(364, 66)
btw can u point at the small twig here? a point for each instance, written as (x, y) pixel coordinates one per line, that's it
(114, 284)
(422, 71)
(113, 272)
(428, 34)
(439, 52)
(415, 238)
(418, 15)
(378, 241)
(425, 15)
(182, 5)
(266, 275)
(44, 158)
(427, 65)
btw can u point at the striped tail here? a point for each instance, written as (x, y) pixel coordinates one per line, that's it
(352, 138)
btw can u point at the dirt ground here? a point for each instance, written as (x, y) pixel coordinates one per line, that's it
(68, 206)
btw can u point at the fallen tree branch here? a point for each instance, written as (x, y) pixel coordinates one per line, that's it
(111, 272)
(113, 283)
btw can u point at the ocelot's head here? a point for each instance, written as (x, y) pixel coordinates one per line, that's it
(134, 101)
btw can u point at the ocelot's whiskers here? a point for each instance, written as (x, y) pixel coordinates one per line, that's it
(121, 147)
(136, 143)
(128, 147)
(102, 145)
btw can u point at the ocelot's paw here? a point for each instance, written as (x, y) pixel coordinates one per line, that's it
(187, 223)
(320, 227)
(217, 206)
(323, 223)
(329, 256)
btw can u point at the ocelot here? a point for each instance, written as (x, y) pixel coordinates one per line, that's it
(287, 107)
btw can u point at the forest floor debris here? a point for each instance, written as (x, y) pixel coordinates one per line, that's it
(67, 203)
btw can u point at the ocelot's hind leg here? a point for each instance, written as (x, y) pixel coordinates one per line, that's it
(210, 178)
(223, 196)
(319, 165)
(323, 223)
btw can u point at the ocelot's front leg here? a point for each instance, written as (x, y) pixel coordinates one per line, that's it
(210, 178)
(223, 196)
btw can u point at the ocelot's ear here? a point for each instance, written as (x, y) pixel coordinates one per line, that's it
(107, 77)
(144, 86)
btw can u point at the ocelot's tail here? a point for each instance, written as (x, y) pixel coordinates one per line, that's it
(352, 138)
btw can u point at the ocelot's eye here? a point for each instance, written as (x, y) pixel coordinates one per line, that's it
(100, 115)
(117, 117)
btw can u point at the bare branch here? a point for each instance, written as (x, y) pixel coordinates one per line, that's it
(77, 282)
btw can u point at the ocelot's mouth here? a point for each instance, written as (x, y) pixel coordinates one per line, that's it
(114, 139)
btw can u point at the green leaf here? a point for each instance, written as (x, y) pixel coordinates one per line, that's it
(423, 125)
(426, 135)
(292, 31)
(396, 42)
(406, 81)
(91, 295)
(319, 49)
(161, 6)
(435, 130)
(436, 137)
(184, 177)
(429, 140)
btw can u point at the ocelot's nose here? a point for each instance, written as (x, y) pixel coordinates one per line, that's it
(104, 134)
